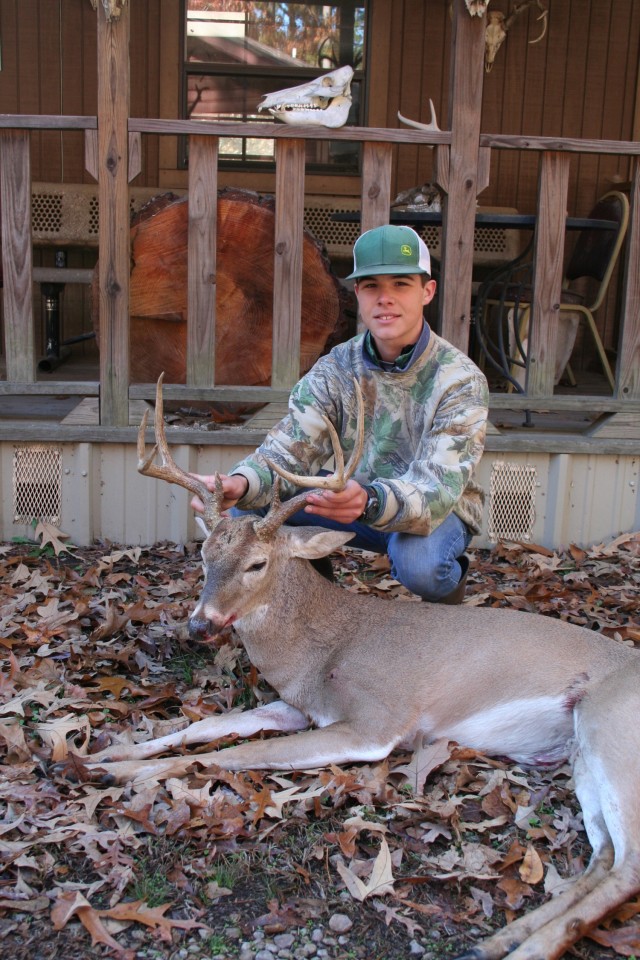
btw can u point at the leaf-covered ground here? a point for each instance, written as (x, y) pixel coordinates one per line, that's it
(94, 646)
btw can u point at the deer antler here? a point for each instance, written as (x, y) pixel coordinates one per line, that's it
(432, 125)
(521, 7)
(280, 512)
(169, 470)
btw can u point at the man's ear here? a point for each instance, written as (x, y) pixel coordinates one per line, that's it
(311, 543)
(429, 291)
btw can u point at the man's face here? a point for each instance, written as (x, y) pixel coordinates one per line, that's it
(391, 308)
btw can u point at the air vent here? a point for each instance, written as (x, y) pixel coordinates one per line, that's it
(37, 483)
(512, 501)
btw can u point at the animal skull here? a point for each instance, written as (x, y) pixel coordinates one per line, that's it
(493, 37)
(325, 101)
(498, 26)
(476, 7)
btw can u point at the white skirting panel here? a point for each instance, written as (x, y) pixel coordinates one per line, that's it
(550, 499)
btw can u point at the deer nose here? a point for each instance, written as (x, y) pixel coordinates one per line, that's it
(199, 628)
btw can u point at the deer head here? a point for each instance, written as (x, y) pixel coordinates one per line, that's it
(498, 26)
(241, 554)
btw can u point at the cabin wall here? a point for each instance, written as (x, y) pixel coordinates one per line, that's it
(549, 499)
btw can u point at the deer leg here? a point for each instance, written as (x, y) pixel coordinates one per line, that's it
(270, 716)
(605, 767)
(553, 939)
(507, 940)
(336, 743)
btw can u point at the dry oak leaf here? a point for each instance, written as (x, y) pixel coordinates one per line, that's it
(12, 733)
(426, 757)
(393, 913)
(69, 905)
(624, 940)
(51, 535)
(54, 734)
(380, 882)
(154, 917)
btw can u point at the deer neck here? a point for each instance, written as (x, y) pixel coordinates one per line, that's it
(282, 640)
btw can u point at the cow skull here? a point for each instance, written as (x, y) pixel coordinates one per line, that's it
(325, 101)
(498, 26)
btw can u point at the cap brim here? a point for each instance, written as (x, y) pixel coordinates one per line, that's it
(378, 270)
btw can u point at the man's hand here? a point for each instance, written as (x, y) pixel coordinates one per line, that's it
(345, 506)
(233, 487)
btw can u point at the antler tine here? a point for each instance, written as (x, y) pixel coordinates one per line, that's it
(340, 475)
(169, 470)
(279, 512)
(545, 22)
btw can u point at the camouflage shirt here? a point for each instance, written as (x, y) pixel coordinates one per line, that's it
(424, 434)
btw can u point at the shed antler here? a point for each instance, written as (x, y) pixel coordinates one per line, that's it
(432, 125)
(169, 470)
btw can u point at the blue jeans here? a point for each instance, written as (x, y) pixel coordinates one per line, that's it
(428, 566)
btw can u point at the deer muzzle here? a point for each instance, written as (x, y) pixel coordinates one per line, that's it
(200, 629)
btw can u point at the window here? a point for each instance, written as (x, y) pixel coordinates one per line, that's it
(236, 51)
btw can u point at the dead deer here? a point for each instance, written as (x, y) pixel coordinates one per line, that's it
(372, 674)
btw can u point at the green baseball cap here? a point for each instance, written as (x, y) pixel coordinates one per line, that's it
(390, 249)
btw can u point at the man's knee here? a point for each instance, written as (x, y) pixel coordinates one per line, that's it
(422, 567)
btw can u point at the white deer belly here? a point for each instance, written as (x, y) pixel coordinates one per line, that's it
(532, 730)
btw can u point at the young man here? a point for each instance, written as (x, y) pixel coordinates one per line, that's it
(413, 494)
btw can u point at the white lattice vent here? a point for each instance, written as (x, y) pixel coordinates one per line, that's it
(37, 483)
(512, 501)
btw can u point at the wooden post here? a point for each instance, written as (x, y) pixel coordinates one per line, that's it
(376, 185)
(628, 374)
(113, 194)
(201, 306)
(547, 273)
(17, 265)
(287, 268)
(465, 108)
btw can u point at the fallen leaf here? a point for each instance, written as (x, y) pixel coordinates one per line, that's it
(380, 882)
(531, 869)
(50, 535)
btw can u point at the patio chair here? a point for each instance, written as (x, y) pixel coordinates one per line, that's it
(508, 292)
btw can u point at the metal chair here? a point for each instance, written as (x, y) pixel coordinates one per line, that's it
(508, 292)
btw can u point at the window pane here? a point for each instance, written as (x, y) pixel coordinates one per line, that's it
(265, 34)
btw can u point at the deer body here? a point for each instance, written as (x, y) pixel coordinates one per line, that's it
(374, 674)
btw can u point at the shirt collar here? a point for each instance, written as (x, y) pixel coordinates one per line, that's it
(406, 358)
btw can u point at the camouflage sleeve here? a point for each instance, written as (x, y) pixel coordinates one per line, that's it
(299, 442)
(440, 480)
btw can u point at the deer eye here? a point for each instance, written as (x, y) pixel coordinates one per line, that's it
(260, 565)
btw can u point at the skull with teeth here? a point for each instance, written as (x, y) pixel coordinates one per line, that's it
(325, 101)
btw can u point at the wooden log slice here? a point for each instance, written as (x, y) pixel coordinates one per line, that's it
(244, 295)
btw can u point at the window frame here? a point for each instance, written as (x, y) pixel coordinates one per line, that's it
(289, 79)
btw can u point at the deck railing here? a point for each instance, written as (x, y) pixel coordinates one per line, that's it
(113, 386)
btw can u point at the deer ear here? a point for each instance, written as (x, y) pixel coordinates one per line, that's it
(312, 543)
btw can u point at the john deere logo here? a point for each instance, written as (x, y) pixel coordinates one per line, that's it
(406, 250)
